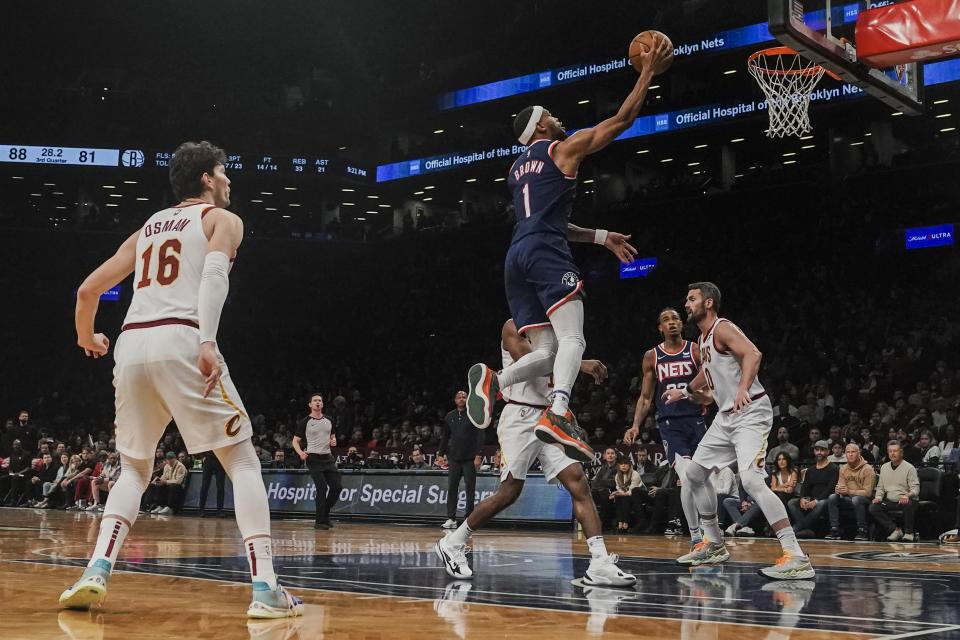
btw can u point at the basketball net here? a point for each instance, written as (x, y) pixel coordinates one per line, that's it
(787, 80)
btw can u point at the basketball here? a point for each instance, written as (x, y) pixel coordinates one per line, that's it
(641, 44)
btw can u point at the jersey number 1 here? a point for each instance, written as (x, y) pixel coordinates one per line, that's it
(526, 200)
(168, 264)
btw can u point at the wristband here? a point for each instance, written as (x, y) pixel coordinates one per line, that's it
(685, 393)
(600, 236)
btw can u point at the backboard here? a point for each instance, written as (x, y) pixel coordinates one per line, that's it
(823, 32)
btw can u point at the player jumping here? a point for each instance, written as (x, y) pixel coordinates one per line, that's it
(543, 284)
(526, 402)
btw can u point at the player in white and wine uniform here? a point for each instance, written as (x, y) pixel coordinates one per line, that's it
(519, 447)
(167, 366)
(728, 375)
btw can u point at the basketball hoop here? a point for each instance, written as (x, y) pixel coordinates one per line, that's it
(787, 80)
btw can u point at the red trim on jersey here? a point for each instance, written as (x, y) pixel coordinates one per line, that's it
(159, 323)
(550, 153)
(204, 212)
(713, 338)
(526, 328)
(663, 347)
(752, 398)
(565, 299)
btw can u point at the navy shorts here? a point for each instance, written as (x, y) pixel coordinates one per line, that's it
(682, 435)
(539, 275)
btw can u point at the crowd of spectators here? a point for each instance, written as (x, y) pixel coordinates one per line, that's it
(859, 337)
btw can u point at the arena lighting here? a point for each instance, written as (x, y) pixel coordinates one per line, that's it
(427, 199)
(944, 115)
(289, 188)
(738, 140)
(129, 182)
(653, 86)
(430, 187)
(943, 101)
(346, 204)
(808, 146)
(806, 137)
(294, 204)
(110, 204)
(384, 206)
(787, 155)
(739, 175)
(419, 193)
(700, 146)
(897, 113)
(789, 162)
(258, 200)
(285, 216)
(58, 193)
(116, 195)
(499, 179)
(439, 131)
(36, 195)
(370, 212)
(729, 72)
(641, 151)
(360, 218)
(345, 190)
(16, 177)
(373, 197)
(857, 143)
(471, 180)
(109, 186)
(271, 208)
(696, 173)
(266, 193)
(667, 160)
(693, 164)
(343, 148)
(948, 129)
(143, 199)
(49, 184)
(584, 102)
(588, 181)
(61, 207)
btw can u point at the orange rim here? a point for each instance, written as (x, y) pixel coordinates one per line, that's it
(812, 70)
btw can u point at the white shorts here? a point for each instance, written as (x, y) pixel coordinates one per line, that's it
(156, 378)
(740, 438)
(519, 447)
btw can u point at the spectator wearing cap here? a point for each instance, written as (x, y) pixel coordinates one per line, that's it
(818, 483)
(166, 492)
(898, 488)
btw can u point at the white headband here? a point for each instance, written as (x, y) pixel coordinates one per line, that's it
(531, 125)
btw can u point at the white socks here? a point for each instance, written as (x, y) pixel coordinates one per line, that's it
(567, 322)
(788, 541)
(536, 364)
(113, 532)
(260, 558)
(597, 548)
(461, 535)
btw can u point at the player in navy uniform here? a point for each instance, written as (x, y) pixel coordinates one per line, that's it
(542, 282)
(672, 364)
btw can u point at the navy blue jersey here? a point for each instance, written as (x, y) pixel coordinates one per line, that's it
(542, 194)
(675, 371)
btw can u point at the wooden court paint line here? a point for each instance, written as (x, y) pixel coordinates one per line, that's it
(925, 632)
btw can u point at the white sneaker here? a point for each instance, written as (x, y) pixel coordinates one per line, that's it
(454, 559)
(165, 511)
(746, 531)
(705, 552)
(895, 535)
(789, 568)
(452, 606)
(89, 590)
(92, 507)
(449, 524)
(731, 530)
(273, 603)
(910, 537)
(156, 509)
(604, 572)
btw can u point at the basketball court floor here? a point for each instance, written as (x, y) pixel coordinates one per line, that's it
(184, 577)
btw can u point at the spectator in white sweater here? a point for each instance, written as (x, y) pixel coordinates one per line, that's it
(898, 488)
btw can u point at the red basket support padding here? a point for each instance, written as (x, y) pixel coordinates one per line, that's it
(915, 31)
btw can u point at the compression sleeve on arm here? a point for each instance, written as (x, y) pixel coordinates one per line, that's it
(214, 285)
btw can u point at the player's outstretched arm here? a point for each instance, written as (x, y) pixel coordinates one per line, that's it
(729, 338)
(645, 400)
(107, 275)
(616, 243)
(570, 153)
(698, 390)
(225, 239)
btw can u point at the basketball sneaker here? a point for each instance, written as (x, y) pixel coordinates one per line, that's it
(273, 603)
(950, 537)
(705, 552)
(483, 389)
(454, 558)
(90, 589)
(789, 567)
(560, 431)
(604, 572)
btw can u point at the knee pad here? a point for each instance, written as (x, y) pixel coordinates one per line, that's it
(694, 473)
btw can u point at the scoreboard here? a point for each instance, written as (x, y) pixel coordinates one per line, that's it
(148, 159)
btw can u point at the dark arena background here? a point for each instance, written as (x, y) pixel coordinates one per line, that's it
(368, 148)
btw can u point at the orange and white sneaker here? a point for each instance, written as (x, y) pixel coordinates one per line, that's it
(789, 567)
(482, 391)
(560, 431)
(705, 552)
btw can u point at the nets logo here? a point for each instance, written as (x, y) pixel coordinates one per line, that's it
(570, 279)
(910, 557)
(132, 158)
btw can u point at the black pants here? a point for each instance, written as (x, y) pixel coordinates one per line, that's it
(666, 506)
(211, 471)
(461, 469)
(879, 513)
(165, 495)
(605, 506)
(323, 470)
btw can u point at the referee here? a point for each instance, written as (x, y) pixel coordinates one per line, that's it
(317, 430)
(462, 444)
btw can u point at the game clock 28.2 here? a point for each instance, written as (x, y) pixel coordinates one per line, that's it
(59, 155)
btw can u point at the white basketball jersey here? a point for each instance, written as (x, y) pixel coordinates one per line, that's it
(533, 392)
(722, 370)
(171, 250)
